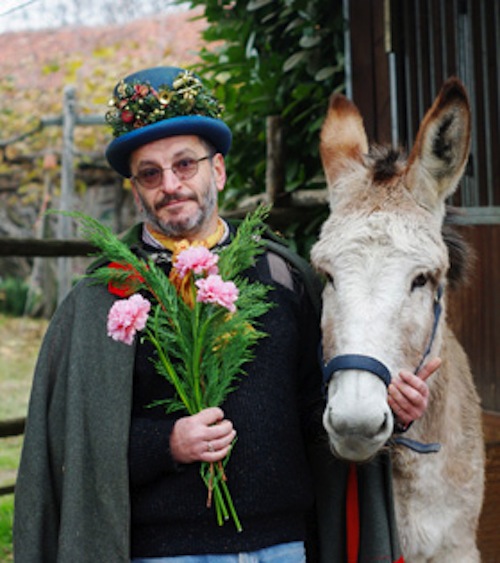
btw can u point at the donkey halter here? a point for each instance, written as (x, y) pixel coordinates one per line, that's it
(378, 368)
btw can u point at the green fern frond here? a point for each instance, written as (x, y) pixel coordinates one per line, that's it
(246, 245)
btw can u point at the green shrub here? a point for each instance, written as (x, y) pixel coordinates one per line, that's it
(13, 295)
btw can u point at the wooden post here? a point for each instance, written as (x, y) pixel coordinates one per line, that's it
(275, 164)
(42, 292)
(67, 189)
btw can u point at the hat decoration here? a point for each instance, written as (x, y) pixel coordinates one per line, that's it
(137, 104)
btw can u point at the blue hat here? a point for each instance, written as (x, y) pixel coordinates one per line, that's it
(162, 102)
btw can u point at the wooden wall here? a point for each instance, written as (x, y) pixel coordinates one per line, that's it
(488, 537)
(369, 70)
(474, 312)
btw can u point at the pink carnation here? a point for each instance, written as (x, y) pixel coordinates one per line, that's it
(213, 289)
(126, 317)
(197, 259)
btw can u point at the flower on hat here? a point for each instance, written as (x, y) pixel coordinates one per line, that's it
(127, 116)
(137, 104)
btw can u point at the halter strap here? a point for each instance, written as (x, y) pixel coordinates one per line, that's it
(438, 308)
(356, 361)
(419, 447)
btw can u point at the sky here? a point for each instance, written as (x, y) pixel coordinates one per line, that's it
(29, 14)
(16, 15)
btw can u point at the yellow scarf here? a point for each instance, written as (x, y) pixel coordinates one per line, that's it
(183, 285)
(174, 245)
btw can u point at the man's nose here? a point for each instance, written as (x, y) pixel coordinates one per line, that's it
(169, 181)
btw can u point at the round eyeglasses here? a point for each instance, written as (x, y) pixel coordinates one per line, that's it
(184, 168)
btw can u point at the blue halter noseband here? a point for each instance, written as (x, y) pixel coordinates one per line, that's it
(356, 361)
(372, 365)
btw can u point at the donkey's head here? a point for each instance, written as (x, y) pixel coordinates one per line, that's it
(385, 261)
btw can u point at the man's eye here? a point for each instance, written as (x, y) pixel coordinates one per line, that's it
(149, 173)
(183, 164)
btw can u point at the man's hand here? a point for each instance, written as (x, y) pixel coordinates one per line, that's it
(205, 436)
(409, 395)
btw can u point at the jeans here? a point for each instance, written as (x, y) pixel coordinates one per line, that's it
(293, 552)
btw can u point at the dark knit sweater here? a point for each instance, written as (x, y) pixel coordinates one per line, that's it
(275, 409)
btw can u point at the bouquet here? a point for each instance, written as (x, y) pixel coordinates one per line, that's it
(202, 319)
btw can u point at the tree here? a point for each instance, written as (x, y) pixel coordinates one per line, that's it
(273, 57)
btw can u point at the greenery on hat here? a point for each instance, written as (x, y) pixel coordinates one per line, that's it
(137, 104)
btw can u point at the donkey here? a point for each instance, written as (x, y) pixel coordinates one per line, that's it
(386, 266)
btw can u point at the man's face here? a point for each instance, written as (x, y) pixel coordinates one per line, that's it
(177, 207)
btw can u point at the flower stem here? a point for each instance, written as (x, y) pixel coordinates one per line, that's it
(210, 485)
(215, 480)
(196, 359)
(218, 514)
(221, 505)
(171, 372)
(232, 509)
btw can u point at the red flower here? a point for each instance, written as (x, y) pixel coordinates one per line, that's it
(141, 90)
(127, 116)
(127, 287)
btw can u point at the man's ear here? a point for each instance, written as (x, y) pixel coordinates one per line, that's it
(219, 169)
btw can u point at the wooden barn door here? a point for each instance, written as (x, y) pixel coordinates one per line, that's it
(399, 53)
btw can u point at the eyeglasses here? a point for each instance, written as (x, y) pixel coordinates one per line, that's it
(184, 168)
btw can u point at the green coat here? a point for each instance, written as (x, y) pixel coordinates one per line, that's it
(71, 502)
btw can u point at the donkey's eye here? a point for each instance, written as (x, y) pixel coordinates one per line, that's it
(419, 281)
(329, 278)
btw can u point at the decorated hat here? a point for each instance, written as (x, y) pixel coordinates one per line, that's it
(162, 102)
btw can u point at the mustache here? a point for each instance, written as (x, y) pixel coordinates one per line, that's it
(169, 198)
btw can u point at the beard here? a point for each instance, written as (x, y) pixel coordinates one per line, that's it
(183, 226)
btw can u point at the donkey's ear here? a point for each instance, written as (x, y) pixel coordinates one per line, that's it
(441, 148)
(343, 138)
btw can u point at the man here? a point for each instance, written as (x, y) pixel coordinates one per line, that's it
(105, 479)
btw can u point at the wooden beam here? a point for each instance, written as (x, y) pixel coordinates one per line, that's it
(8, 490)
(46, 247)
(13, 427)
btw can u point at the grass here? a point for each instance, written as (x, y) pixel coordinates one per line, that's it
(19, 344)
(6, 514)
(20, 340)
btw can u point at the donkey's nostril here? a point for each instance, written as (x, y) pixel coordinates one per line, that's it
(383, 426)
